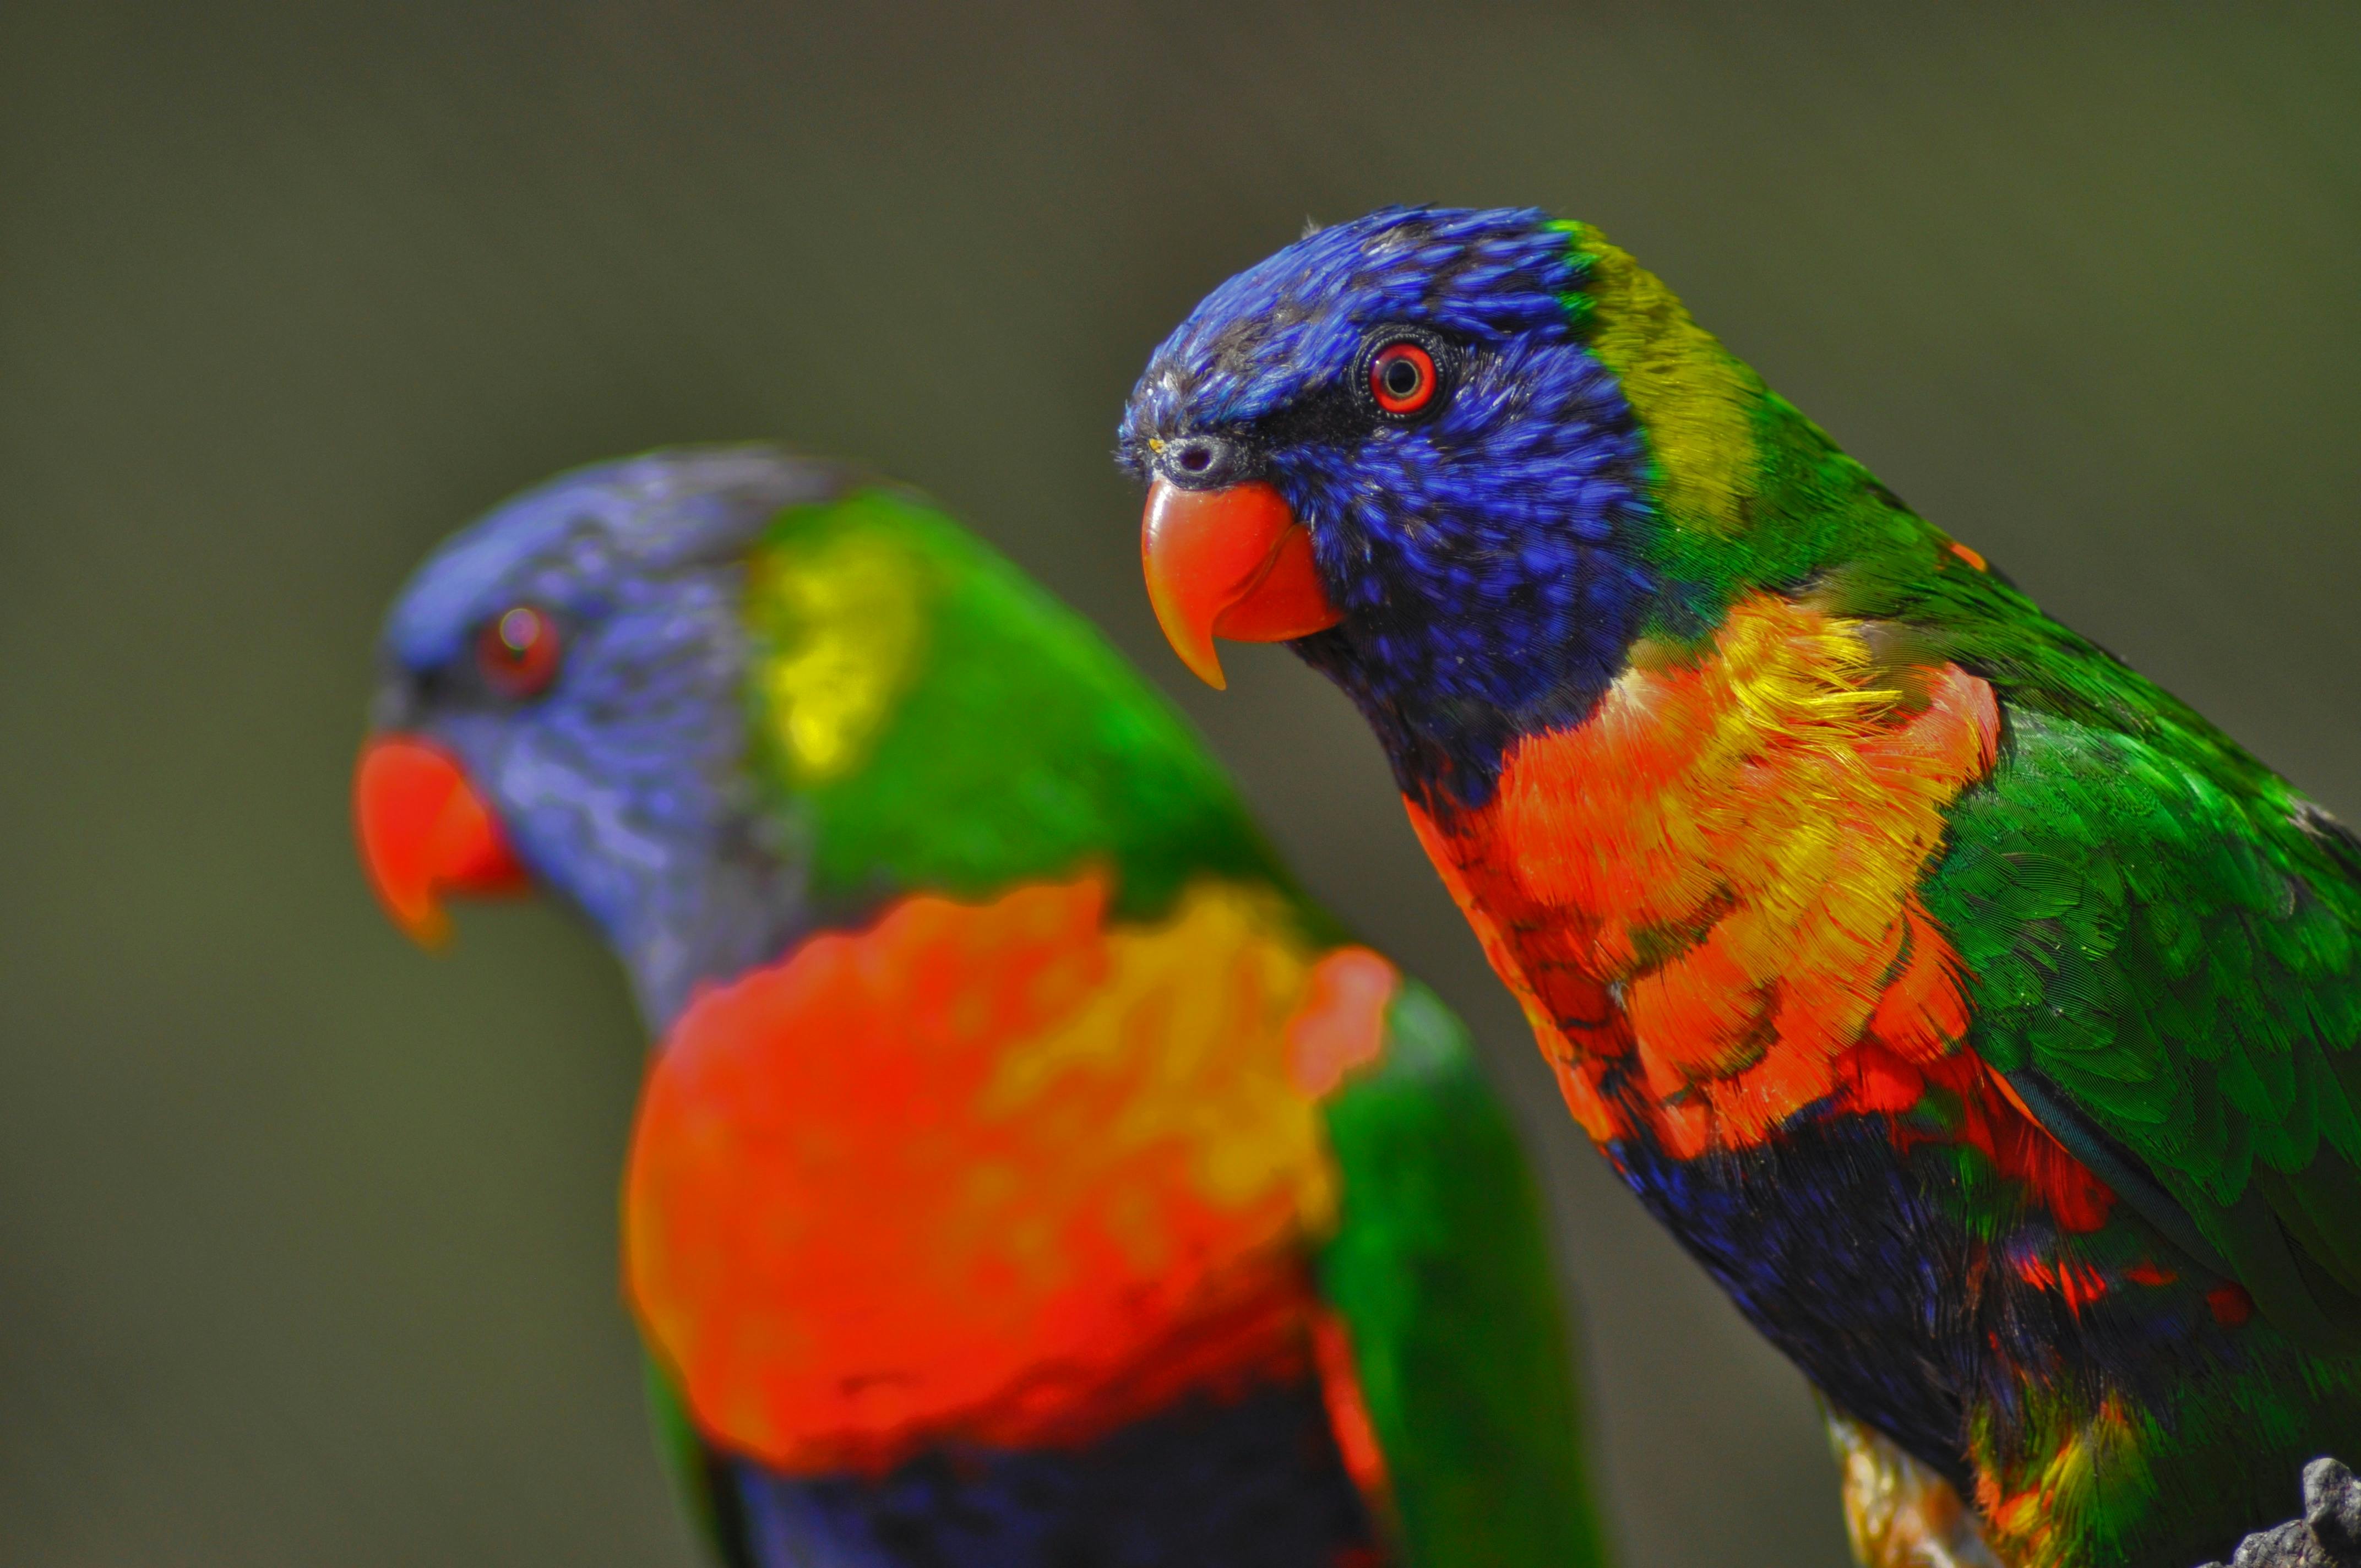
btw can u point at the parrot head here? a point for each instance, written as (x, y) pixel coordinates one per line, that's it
(561, 706)
(1400, 444)
(719, 698)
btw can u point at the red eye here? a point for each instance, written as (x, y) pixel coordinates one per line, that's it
(1401, 377)
(517, 651)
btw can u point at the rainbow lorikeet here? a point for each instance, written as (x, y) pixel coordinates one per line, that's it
(1027, 1172)
(1981, 1017)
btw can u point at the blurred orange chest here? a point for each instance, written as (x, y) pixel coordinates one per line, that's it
(1003, 1174)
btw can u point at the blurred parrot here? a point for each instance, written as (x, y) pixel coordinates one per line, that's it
(1979, 1015)
(1027, 1172)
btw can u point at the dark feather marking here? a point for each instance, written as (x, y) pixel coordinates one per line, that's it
(2116, 1165)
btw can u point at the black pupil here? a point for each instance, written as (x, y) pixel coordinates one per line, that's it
(1402, 376)
(1194, 459)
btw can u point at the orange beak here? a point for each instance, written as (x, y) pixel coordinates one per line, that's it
(426, 831)
(1229, 563)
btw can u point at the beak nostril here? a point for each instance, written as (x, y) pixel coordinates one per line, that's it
(1207, 462)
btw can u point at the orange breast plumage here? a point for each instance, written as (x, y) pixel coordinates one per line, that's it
(1709, 887)
(1009, 1174)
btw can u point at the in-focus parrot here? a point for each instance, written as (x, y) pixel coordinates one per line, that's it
(1980, 1017)
(1028, 1174)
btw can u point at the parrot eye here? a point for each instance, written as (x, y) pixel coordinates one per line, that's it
(518, 652)
(1402, 377)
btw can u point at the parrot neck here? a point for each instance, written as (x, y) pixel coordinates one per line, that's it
(1446, 741)
(1493, 592)
(706, 923)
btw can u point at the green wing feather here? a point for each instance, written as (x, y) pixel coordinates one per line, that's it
(2166, 935)
(1441, 1271)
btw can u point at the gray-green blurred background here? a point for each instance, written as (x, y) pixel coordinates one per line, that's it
(306, 1251)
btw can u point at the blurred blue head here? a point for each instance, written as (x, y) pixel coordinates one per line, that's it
(620, 783)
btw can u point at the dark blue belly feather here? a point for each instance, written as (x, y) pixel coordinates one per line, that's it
(1251, 1483)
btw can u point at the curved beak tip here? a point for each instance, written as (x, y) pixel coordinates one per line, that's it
(1194, 647)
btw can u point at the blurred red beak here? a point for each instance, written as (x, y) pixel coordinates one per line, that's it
(426, 831)
(1229, 563)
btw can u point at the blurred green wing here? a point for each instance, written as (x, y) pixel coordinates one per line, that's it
(1441, 1270)
(697, 1474)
